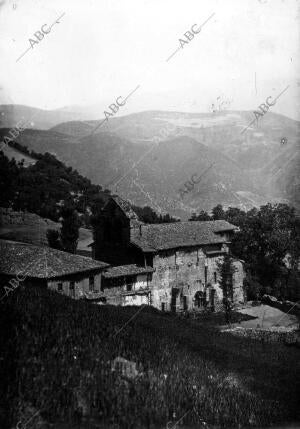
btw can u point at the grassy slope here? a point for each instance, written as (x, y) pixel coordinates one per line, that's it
(34, 231)
(56, 349)
(34, 234)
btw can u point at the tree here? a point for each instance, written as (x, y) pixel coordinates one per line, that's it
(148, 215)
(70, 229)
(218, 212)
(53, 237)
(266, 236)
(226, 270)
(9, 173)
(252, 287)
(235, 216)
(202, 215)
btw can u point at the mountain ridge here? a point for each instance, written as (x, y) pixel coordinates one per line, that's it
(248, 166)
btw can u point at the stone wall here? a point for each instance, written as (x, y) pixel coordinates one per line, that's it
(281, 335)
(81, 287)
(182, 272)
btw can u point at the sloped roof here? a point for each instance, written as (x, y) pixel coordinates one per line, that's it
(124, 206)
(126, 270)
(42, 262)
(156, 237)
(221, 225)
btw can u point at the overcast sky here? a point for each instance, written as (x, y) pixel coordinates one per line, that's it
(103, 49)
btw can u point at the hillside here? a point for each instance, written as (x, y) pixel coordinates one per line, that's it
(18, 155)
(254, 150)
(220, 130)
(35, 118)
(31, 228)
(45, 186)
(62, 353)
(250, 168)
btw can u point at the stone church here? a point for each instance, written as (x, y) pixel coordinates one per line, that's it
(180, 260)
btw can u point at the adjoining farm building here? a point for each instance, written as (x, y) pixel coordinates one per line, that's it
(70, 274)
(128, 285)
(75, 276)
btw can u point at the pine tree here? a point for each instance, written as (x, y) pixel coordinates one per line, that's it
(70, 229)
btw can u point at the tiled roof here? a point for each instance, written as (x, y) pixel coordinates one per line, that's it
(221, 225)
(125, 206)
(126, 270)
(154, 237)
(42, 262)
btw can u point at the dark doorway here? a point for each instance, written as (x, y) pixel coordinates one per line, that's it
(212, 298)
(173, 299)
(183, 302)
(200, 299)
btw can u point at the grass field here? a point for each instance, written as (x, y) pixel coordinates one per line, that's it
(56, 358)
(36, 234)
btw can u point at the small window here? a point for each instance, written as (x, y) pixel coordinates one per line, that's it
(59, 287)
(215, 277)
(91, 284)
(72, 289)
(129, 283)
(149, 279)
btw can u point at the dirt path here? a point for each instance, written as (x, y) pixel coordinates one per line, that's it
(267, 317)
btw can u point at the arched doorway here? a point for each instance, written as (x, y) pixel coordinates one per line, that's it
(200, 299)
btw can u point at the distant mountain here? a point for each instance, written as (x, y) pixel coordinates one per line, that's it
(41, 119)
(250, 167)
(223, 131)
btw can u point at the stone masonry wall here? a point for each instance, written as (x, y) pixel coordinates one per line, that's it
(288, 336)
(184, 270)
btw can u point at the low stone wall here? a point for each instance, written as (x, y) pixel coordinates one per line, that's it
(278, 335)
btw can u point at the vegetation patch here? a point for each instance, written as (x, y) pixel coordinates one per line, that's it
(57, 356)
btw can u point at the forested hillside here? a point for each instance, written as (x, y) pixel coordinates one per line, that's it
(45, 186)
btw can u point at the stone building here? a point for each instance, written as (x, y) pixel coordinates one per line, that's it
(173, 266)
(184, 256)
(23, 264)
(127, 285)
(28, 265)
